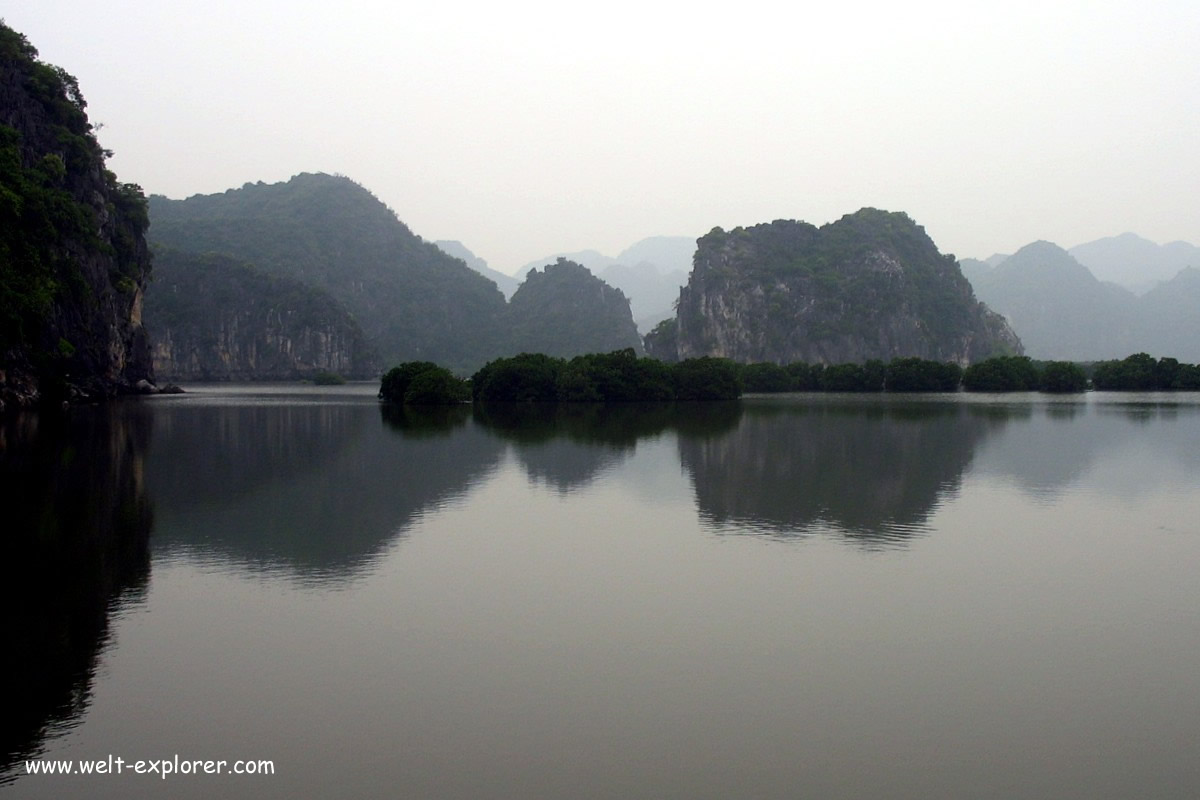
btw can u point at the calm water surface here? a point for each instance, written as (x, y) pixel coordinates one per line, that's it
(801, 596)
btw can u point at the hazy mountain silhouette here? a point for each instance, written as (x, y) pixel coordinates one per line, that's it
(1134, 262)
(973, 269)
(505, 283)
(594, 260)
(1168, 320)
(1062, 311)
(1057, 307)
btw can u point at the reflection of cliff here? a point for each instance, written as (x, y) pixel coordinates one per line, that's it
(567, 445)
(874, 471)
(316, 489)
(75, 547)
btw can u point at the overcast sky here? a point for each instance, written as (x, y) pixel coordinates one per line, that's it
(524, 129)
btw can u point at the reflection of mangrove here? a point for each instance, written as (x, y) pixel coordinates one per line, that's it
(872, 470)
(318, 490)
(566, 445)
(417, 421)
(75, 548)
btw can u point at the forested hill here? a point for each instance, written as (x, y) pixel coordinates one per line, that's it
(564, 310)
(871, 285)
(413, 301)
(73, 257)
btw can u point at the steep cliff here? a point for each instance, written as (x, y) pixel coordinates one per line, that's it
(565, 310)
(211, 317)
(73, 256)
(870, 286)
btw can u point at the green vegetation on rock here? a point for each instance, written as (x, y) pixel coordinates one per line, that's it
(73, 257)
(662, 342)
(412, 300)
(564, 310)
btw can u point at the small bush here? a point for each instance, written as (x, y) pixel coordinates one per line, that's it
(328, 379)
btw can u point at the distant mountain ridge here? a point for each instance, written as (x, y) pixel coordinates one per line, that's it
(1061, 310)
(1057, 307)
(1135, 262)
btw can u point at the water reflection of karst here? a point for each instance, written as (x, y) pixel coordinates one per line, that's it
(75, 549)
(566, 446)
(870, 471)
(316, 491)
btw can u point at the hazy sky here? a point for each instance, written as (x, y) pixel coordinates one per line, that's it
(522, 129)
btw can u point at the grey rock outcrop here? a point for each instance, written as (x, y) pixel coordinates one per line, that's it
(213, 318)
(870, 286)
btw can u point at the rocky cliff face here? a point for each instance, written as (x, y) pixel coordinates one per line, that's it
(213, 318)
(870, 286)
(73, 256)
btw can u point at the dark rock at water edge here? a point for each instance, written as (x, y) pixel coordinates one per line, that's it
(74, 260)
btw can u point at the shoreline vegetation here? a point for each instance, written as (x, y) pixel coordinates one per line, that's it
(623, 376)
